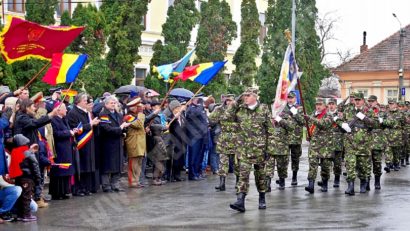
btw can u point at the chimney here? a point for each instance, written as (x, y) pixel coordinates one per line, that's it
(363, 47)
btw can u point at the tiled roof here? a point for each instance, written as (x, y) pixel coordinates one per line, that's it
(384, 56)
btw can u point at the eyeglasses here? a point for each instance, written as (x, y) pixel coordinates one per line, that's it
(357, 99)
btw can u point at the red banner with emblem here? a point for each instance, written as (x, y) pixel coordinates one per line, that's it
(22, 39)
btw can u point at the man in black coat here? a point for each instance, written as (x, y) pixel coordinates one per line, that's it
(111, 138)
(80, 115)
(197, 130)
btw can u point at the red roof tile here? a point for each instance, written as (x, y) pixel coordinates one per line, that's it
(384, 56)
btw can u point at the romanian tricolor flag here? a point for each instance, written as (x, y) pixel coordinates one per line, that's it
(80, 128)
(201, 73)
(83, 139)
(62, 165)
(104, 119)
(130, 118)
(64, 68)
(22, 39)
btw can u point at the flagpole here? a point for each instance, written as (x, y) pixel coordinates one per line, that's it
(68, 90)
(302, 101)
(36, 75)
(168, 92)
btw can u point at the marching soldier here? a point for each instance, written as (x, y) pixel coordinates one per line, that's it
(394, 132)
(295, 138)
(320, 148)
(387, 152)
(357, 121)
(378, 144)
(226, 142)
(254, 125)
(278, 147)
(406, 132)
(337, 141)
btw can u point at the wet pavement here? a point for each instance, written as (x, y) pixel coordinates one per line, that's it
(196, 206)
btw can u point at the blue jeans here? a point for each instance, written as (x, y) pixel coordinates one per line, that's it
(8, 197)
(195, 158)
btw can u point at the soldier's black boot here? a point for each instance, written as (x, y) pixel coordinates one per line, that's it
(281, 183)
(377, 183)
(324, 185)
(268, 184)
(262, 201)
(387, 168)
(319, 183)
(403, 164)
(396, 167)
(294, 178)
(363, 184)
(368, 184)
(336, 183)
(311, 187)
(239, 205)
(407, 160)
(350, 188)
(221, 186)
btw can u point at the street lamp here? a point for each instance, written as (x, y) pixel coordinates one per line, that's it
(401, 58)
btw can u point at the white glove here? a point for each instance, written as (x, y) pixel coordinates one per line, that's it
(381, 120)
(360, 115)
(294, 110)
(335, 118)
(346, 127)
(278, 119)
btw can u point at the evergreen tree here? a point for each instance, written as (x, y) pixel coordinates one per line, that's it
(65, 19)
(216, 32)
(182, 18)
(6, 74)
(244, 58)
(125, 39)
(307, 50)
(41, 11)
(96, 76)
(152, 81)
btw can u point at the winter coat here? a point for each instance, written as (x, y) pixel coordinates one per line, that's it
(64, 147)
(135, 142)
(28, 126)
(197, 124)
(4, 123)
(111, 142)
(87, 152)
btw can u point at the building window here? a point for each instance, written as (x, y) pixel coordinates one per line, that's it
(364, 91)
(392, 94)
(63, 5)
(262, 31)
(15, 6)
(144, 22)
(140, 74)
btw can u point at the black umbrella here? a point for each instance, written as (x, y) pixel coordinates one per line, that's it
(127, 89)
(181, 93)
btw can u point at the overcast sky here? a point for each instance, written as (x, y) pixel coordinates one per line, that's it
(355, 16)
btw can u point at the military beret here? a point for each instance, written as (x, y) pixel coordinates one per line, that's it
(332, 100)
(292, 94)
(135, 102)
(251, 91)
(358, 95)
(320, 101)
(38, 97)
(55, 89)
(372, 97)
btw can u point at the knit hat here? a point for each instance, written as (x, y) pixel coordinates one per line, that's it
(174, 104)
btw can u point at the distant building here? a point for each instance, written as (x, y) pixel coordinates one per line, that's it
(153, 20)
(375, 71)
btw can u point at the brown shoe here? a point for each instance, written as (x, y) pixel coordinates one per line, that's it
(41, 203)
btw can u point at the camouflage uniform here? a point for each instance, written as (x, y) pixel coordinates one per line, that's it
(254, 126)
(378, 144)
(394, 133)
(295, 138)
(357, 142)
(337, 146)
(227, 139)
(406, 136)
(320, 147)
(278, 149)
(387, 150)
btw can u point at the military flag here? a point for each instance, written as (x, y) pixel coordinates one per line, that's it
(165, 71)
(287, 81)
(22, 39)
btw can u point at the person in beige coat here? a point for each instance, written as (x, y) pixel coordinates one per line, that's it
(135, 141)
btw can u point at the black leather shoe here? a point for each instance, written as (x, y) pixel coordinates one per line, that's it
(107, 190)
(79, 194)
(119, 190)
